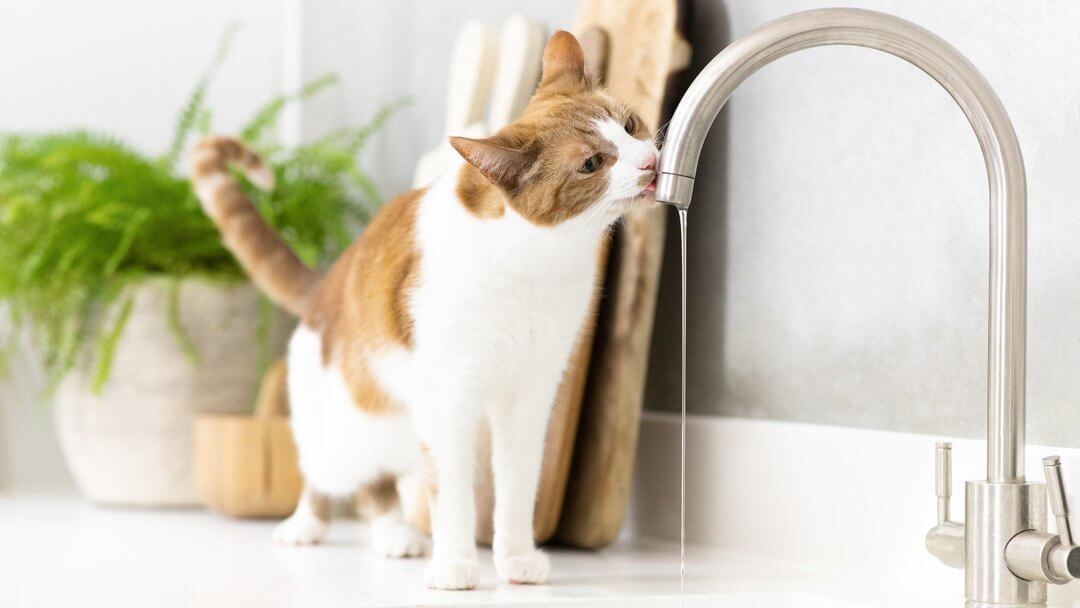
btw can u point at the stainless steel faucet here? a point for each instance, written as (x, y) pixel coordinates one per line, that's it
(1003, 545)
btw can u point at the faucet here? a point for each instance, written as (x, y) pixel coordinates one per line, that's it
(1003, 546)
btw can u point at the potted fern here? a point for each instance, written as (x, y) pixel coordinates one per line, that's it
(142, 317)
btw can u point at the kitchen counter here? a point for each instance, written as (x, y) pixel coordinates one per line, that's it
(61, 551)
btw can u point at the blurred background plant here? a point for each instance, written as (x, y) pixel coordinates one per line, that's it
(83, 217)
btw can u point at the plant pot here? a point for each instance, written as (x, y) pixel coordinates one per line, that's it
(131, 443)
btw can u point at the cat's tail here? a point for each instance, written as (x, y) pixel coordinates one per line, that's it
(261, 251)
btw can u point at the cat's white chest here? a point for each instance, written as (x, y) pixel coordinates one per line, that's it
(494, 298)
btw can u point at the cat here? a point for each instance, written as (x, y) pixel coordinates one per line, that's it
(459, 302)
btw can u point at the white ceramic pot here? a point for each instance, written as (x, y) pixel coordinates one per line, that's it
(131, 444)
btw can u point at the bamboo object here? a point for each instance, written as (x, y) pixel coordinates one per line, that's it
(246, 466)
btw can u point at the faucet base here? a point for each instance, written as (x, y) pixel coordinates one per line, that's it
(996, 512)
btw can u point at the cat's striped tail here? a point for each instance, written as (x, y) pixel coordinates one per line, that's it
(261, 251)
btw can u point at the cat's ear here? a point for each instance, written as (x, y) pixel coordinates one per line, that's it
(502, 161)
(564, 61)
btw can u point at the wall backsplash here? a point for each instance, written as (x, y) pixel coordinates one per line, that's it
(838, 238)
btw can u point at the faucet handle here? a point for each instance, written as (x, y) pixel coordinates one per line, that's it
(943, 479)
(945, 541)
(1035, 555)
(1055, 488)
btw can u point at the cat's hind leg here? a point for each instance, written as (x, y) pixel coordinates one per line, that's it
(391, 535)
(309, 522)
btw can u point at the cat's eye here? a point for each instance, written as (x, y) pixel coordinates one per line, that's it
(630, 125)
(592, 164)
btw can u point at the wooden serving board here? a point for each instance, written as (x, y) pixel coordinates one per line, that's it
(647, 45)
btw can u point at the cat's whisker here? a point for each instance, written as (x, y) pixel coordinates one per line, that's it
(587, 221)
(598, 216)
(661, 134)
(593, 212)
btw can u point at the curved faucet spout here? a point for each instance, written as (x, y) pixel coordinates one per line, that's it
(1004, 166)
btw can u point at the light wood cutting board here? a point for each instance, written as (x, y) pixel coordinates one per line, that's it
(647, 45)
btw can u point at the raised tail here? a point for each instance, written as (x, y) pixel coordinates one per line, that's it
(263, 254)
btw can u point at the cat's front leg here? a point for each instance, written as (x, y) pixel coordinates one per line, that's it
(517, 430)
(451, 448)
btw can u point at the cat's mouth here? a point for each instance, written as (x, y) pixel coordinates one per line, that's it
(648, 183)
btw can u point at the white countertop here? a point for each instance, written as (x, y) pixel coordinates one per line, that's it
(61, 551)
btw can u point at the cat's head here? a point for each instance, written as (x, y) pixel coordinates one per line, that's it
(576, 153)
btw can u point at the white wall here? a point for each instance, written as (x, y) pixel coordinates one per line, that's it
(126, 67)
(123, 67)
(385, 50)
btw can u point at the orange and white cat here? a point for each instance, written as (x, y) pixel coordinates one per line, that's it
(459, 302)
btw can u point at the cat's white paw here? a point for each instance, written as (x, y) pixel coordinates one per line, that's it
(456, 573)
(301, 530)
(398, 539)
(532, 568)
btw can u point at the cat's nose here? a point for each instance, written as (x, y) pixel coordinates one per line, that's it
(649, 162)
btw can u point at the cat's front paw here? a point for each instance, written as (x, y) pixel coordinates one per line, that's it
(398, 539)
(532, 568)
(301, 530)
(455, 573)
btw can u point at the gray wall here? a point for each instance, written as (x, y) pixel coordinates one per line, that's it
(838, 236)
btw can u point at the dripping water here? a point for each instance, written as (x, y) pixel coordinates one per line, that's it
(682, 427)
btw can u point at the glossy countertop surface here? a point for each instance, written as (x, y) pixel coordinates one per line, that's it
(61, 551)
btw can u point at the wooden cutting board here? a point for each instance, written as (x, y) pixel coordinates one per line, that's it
(647, 45)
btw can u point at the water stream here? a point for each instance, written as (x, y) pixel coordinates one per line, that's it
(682, 427)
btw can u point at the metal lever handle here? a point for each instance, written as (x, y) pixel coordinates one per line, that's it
(945, 541)
(943, 479)
(1055, 488)
(1040, 556)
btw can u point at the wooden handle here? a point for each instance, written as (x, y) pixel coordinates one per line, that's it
(272, 399)
(468, 89)
(594, 41)
(469, 82)
(521, 51)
